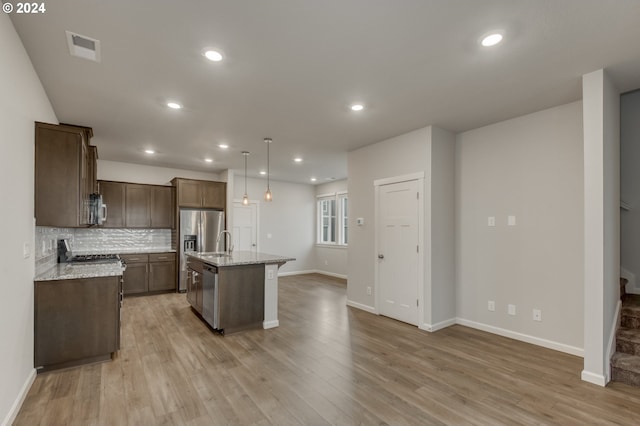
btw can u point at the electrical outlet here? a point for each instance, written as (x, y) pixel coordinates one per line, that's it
(26, 250)
(511, 309)
(537, 315)
(44, 246)
(270, 274)
(511, 220)
(326, 262)
(491, 221)
(491, 305)
(368, 291)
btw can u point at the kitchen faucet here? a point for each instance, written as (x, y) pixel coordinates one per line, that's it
(230, 244)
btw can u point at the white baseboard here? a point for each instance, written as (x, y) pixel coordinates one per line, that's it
(596, 379)
(312, 271)
(438, 326)
(611, 348)
(286, 274)
(270, 324)
(523, 337)
(362, 307)
(17, 404)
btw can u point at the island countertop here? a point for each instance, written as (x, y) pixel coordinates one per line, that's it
(237, 258)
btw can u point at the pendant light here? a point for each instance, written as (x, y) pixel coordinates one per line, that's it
(267, 194)
(245, 198)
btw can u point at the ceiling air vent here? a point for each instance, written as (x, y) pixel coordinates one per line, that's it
(83, 46)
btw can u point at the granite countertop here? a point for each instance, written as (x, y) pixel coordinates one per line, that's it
(238, 258)
(71, 271)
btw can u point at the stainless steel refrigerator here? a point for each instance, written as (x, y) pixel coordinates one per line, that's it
(199, 230)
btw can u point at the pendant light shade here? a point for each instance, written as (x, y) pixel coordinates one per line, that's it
(267, 194)
(245, 198)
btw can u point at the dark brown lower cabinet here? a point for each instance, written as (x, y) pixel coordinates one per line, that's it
(149, 273)
(76, 321)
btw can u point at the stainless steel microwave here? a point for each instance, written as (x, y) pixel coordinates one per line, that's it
(97, 210)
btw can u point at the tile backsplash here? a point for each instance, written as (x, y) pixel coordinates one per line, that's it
(96, 241)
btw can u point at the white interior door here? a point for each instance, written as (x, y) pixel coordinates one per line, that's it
(398, 241)
(245, 227)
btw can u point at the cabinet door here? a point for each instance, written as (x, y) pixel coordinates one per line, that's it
(162, 207)
(75, 319)
(135, 278)
(214, 195)
(113, 197)
(189, 194)
(137, 206)
(162, 276)
(58, 157)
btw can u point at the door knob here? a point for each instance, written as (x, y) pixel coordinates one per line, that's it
(381, 256)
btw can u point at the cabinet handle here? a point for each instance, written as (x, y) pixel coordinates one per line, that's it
(162, 257)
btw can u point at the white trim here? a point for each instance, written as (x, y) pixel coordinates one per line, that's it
(438, 326)
(17, 404)
(594, 378)
(312, 271)
(631, 278)
(398, 179)
(611, 348)
(286, 274)
(329, 195)
(331, 274)
(362, 307)
(270, 324)
(523, 337)
(332, 246)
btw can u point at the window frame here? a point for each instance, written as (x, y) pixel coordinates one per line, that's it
(340, 222)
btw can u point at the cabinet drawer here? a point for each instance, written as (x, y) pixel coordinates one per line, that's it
(135, 258)
(162, 257)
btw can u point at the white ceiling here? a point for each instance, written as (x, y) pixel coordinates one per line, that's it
(293, 67)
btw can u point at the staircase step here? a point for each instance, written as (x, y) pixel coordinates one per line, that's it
(625, 368)
(628, 341)
(630, 315)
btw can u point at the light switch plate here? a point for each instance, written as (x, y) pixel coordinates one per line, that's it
(360, 221)
(537, 315)
(491, 221)
(511, 221)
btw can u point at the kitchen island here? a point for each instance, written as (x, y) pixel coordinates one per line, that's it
(235, 291)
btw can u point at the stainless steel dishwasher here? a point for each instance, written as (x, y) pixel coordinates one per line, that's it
(210, 311)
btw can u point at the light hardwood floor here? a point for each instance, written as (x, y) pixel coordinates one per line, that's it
(325, 364)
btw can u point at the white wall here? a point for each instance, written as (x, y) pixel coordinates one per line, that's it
(331, 260)
(288, 219)
(530, 167)
(601, 114)
(151, 175)
(22, 101)
(630, 185)
(428, 151)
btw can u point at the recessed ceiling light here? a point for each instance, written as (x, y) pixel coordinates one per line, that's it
(313, 179)
(263, 172)
(491, 39)
(298, 160)
(174, 105)
(212, 55)
(357, 107)
(209, 160)
(149, 151)
(223, 146)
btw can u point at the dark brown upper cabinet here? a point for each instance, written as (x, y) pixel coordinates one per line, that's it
(64, 175)
(200, 193)
(132, 205)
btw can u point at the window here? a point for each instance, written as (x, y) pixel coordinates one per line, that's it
(332, 219)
